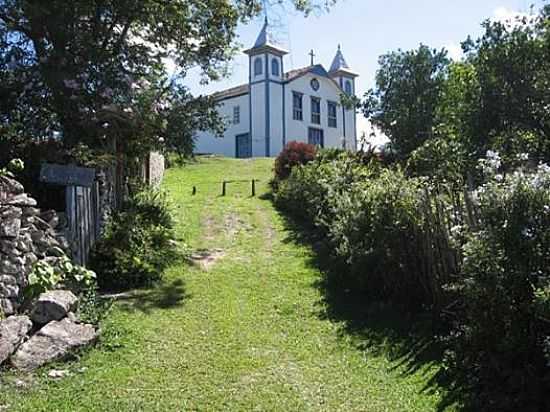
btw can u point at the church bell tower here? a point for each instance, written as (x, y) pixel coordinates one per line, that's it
(266, 77)
(341, 73)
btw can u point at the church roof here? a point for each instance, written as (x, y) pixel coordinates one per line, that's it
(339, 64)
(264, 37)
(233, 92)
(265, 41)
(289, 76)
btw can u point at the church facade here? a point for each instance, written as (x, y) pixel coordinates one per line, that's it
(276, 107)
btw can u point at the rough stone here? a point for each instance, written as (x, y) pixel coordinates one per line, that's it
(58, 374)
(13, 331)
(53, 305)
(39, 223)
(53, 342)
(13, 266)
(24, 242)
(11, 222)
(51, 217)
(8, 306)
(9, 290)
(10, 186)
(9, 247)
(31, 211)
(21, 200)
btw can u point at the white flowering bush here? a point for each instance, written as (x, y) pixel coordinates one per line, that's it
(502, 337)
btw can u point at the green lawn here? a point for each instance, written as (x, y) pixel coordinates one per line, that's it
(258, 331)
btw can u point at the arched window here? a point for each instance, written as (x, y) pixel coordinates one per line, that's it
(349, 88)
(275, 67)
(258, 66)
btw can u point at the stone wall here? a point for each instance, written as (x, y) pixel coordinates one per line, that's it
(27, 235)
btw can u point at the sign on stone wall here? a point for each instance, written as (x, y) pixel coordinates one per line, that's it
(67, 175)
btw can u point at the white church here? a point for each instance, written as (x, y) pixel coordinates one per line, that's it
(276, 107)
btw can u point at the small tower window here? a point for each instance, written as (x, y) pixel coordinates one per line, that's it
(349, 88)
(258, 66)
(236, 114)
(275, 67)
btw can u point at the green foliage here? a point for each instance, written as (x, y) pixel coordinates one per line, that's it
(495, 99)
(499, 343)
(440, 160)
(404, 102)
(14, 166)
(370, 218)
(91, 307)
(138, 243)
(47, 275)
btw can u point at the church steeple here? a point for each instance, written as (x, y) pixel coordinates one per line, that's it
(264, 36)
(340, 66)
(265, 42)
(339, 62)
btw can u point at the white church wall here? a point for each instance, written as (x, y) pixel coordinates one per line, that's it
(206, 142)
(328, 91)
(258, 119)
(276, 118)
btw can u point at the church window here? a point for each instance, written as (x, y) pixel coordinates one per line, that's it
(275, 67)
(258, 64)
(349, 88)
(332, 122)
(315, 110)
(297, 106)
(236, 114)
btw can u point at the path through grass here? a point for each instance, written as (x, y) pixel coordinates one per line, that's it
(254, 332)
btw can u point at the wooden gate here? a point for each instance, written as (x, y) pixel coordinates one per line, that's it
(82, 220)
(82, 206)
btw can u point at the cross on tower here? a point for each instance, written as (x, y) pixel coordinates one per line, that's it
(312, 56)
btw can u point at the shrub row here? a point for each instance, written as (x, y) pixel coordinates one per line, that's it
(394, 234)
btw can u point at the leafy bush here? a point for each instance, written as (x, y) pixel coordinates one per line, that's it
(293, 154)
(370, 218)
(501, 339)
(138, 243)
(58, 272)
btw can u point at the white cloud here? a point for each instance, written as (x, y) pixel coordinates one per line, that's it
(368, 134)
(510, 18)
(455, 51)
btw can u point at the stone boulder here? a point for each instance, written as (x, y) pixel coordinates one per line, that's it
(53, 342)
(13, 331)
(53, 305)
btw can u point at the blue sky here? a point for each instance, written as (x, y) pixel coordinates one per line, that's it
(366, 29)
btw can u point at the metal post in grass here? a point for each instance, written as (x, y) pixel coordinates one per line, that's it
(194, 190)
(223, 187)
(253, 187)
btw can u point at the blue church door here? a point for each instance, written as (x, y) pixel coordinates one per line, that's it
(243, 146)
(316, 137)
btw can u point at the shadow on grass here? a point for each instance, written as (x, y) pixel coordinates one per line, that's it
(408, 340)
(166, 295)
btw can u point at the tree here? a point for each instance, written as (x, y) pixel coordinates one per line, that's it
(403, 104)
(508, 76)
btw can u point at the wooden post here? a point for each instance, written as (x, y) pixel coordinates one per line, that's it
(194, 190)
(223, 188)
(253, 187)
